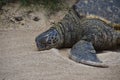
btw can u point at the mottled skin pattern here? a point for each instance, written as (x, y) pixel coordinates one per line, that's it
(84, 35)
(108, 9)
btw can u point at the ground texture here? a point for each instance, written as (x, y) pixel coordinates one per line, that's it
(20, 60)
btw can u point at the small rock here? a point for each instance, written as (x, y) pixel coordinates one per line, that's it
(18, 18)
(52, 21)
(36, 18)
(22, 24)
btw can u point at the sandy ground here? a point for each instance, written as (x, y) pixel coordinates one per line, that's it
(20, 60)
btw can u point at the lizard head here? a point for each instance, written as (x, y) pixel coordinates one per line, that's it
(48, 39)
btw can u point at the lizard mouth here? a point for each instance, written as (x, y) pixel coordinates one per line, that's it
(40, 46)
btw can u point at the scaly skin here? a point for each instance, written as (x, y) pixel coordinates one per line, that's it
(118, 37)
(84, 35)
(69, 28)
(73, 29)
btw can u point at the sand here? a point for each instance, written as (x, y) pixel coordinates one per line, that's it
(20, 60)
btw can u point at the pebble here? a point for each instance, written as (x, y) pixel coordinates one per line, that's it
(36, 18)
(18, 18)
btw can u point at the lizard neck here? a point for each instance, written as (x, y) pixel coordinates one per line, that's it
(58, 28)
(68, 28)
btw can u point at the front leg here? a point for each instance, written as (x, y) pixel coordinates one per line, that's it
(84, 52)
